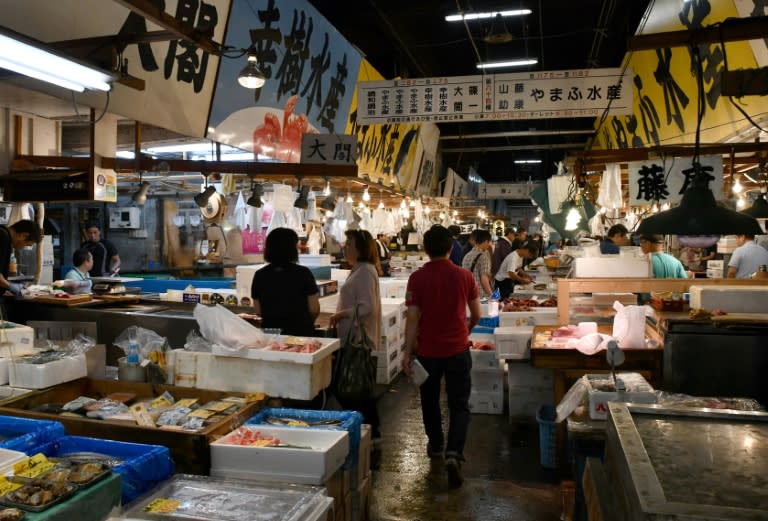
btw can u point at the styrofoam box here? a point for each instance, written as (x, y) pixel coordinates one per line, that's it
(714, 274)
(327, 346)
(716, 264)
(638, 390)
(339, 274)
(8, 458)
(244, 278)
(522, 374)
(21, 338)
(363, 468)
(731, 299)
(486, 403)
(6, 391)
(322, 259)
(483, 359)
(535, 317)
(312, 466)
(611, 266)
(39, 376)
(513, 342)
(389, 318)
(392, 288)
(387, 355)
(385, 375)
(279, 374)
(524, 402)
(488, 381)
(4, 363)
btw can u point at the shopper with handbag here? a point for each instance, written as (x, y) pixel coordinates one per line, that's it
(359, 307)
(437, 332)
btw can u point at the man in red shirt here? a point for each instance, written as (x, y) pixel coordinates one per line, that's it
(437, 332)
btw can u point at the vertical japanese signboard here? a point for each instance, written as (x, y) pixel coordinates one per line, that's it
(530, 95)
(657, 181)
(310, 71)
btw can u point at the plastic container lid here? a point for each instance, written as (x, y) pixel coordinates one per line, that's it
(8, 458)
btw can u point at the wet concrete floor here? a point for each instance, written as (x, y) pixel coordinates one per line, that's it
(503, 480)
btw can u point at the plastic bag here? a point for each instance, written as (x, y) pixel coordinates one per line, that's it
(80, 344)
(224, 328)
(355, 373)
(629, 325)
(147, 339)
(590, 343)
(197, 343)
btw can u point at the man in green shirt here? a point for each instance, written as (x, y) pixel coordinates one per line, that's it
(665, 266)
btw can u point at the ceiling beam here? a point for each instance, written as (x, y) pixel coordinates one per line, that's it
(159, 17)
(730, 30)
(255, 168)
(509, 148)
(518, 133)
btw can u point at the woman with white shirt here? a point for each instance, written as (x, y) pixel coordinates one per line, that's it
(361, 291)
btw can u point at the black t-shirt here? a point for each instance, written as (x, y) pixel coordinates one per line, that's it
(102, 252)
(5, 251)
(282, 292)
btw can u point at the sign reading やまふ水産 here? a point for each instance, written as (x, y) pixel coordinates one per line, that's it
(527, 95)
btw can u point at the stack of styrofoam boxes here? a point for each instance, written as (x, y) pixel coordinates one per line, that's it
(513, 343)
(727, 244)
(715, 269)
(357, 499)
(392, 288)
(528, 389)
(487, 395)
(390, 357)
(15, 340)
(243, 280)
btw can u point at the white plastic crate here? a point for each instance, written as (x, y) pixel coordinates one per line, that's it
(535, 317)
(513, 343)
(486, 403)
(20, 338)
(638, 390)
(39, 376)
(314, 465)
(488, 381)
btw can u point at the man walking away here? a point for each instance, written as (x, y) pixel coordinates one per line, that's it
(478, 262)
(437, 333)
(456, 256)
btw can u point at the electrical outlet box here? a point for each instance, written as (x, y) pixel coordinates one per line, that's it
(127, 218)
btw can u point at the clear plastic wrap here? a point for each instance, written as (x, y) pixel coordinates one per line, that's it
(676, 400)
(195, 342)
(147, 339)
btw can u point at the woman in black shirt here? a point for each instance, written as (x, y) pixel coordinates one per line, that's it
(285, 293)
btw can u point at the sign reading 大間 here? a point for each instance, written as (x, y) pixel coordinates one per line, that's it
(527, 95)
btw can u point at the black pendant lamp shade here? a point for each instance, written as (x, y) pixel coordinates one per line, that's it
(699, 214)
(329, 203)
(255, 199)
(759, 209)
(203, 197)
(302, 201)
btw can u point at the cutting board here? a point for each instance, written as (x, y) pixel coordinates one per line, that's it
(56, 301)
(118, 298)
(742, 318)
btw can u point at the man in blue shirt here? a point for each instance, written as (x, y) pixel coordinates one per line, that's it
(617, 236)
(747, 258)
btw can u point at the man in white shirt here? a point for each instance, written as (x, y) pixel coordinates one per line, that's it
(510, 272)
(747, 258)
(382, 245)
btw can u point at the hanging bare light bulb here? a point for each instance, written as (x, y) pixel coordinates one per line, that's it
(402, 204)
(366, 195)
(381, 201)
(737, 187)
(740, 203)
(426, 210)
(361, 204)
(455, 213)
(349, 198)
(413, 203)
(327, 189)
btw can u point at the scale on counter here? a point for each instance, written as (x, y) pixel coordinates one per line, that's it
(111, 285)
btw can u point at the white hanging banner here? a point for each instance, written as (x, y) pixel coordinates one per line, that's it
(658, 181)
(525, 95)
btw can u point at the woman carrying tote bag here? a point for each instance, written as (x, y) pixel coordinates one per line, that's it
(360, 292)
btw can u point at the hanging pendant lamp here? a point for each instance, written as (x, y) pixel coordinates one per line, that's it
(759, 209)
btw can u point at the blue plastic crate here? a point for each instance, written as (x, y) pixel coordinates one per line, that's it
(489, 321)
(546, 416)
(351, 422)
(483, 330)
(23, 434)
(143, 466)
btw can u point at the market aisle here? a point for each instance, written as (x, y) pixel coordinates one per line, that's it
(503, 478)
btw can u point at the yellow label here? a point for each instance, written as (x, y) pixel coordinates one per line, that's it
(254, 397)
(218, 406)
(34, 466)
(185, 402)
(163, 505)
(7, 486)
(201, 413)
(161, 402)
(141, 415)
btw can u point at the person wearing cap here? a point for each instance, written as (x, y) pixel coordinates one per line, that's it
(665, 266)
(106, 261)
(617, 236)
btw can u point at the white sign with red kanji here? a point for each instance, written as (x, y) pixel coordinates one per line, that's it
(526, 95)
(664, 180)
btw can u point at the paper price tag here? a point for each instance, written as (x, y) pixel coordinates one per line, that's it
(34, 466)
(163, 505)
(7, 486)
(141, 415)
(185, 402)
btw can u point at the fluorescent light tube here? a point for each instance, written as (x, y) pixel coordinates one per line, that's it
(527, 161)
(507, 63)
(31, 60)
(484, 16)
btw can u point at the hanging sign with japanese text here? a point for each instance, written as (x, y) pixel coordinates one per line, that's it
(659, 181)
(328, 149)
(527, 95)
(310, 72)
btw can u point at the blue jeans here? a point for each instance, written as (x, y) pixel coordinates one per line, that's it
(458, 383)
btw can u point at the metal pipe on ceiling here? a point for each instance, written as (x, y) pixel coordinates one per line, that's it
(519, 133)
(516, 147)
